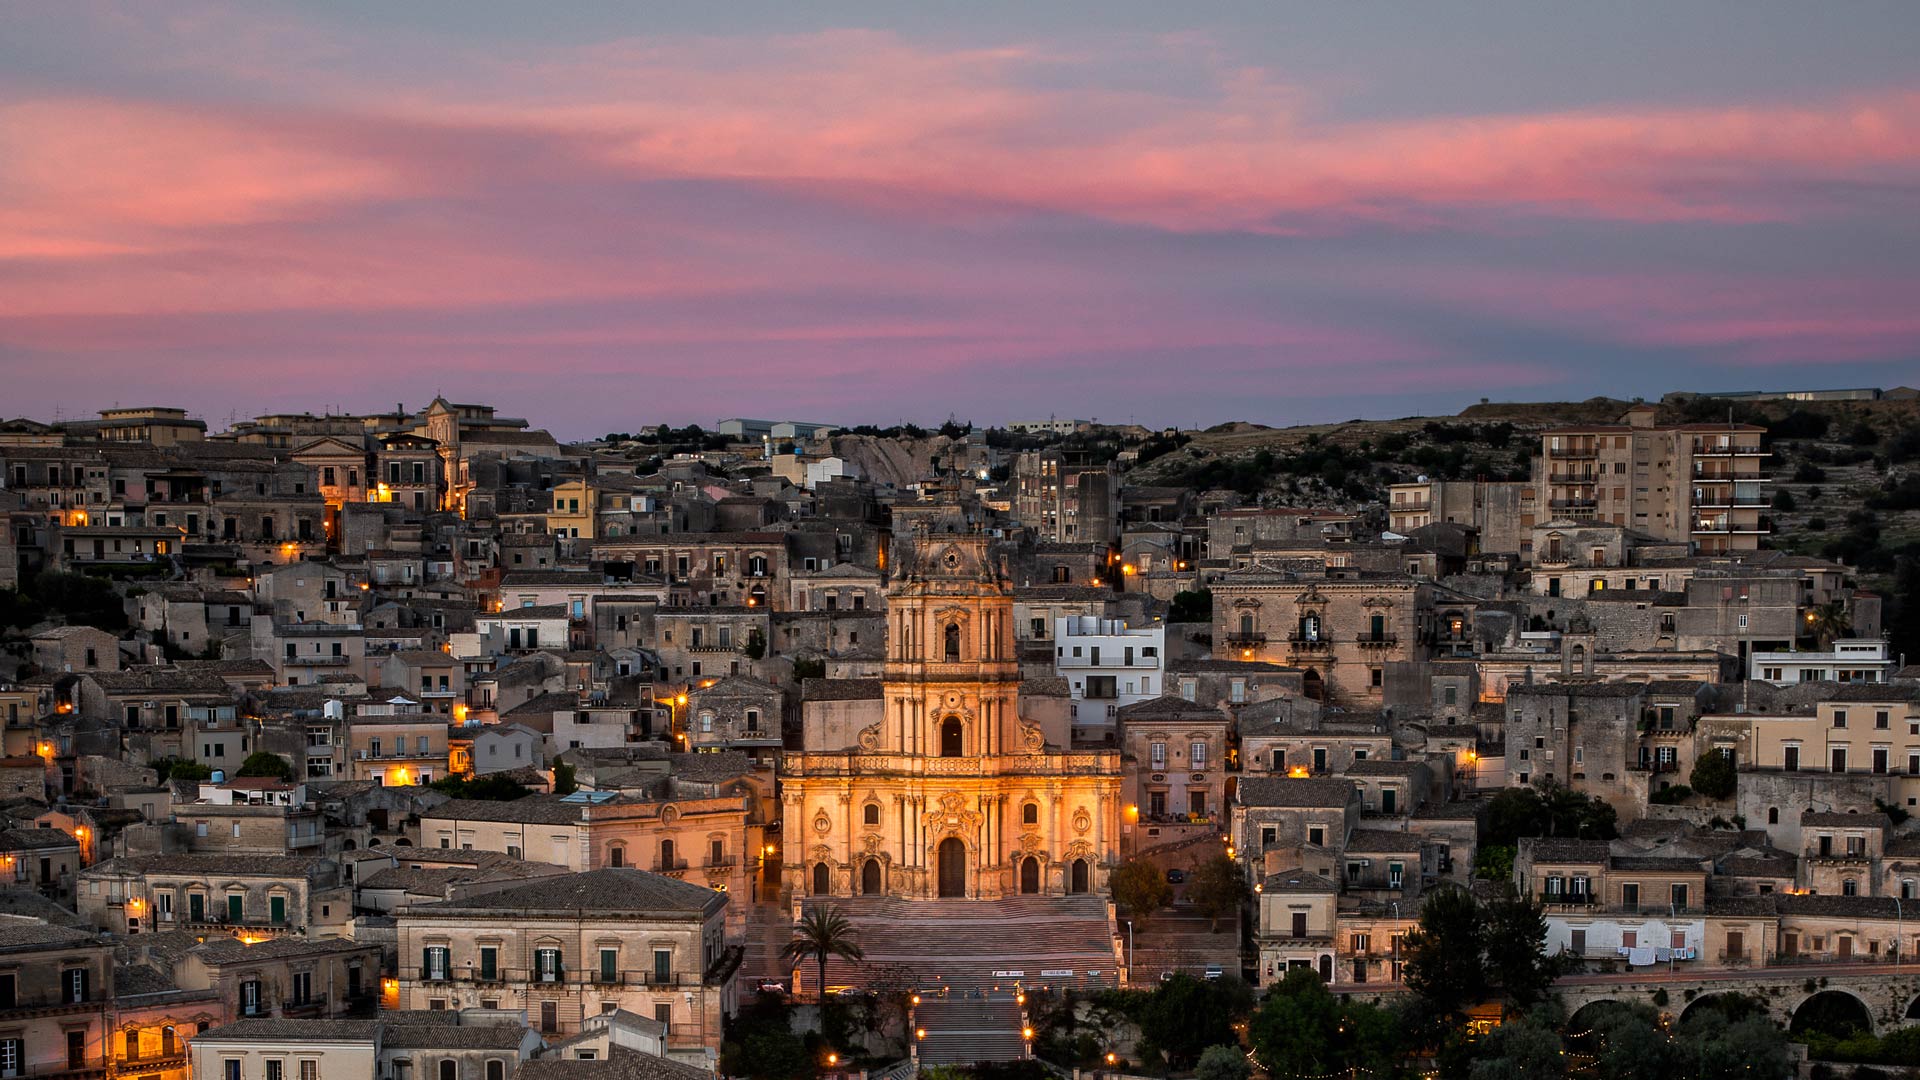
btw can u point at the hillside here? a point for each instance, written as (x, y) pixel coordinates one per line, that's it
(1849, 471)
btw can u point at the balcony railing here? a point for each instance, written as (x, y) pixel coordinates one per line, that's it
(663, 865)
(1240, 640)
(1573, 504)
(1305, 644)
(1377, 641)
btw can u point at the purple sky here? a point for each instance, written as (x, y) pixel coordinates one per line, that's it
(606, 216)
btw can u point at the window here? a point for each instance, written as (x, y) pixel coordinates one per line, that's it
(1030, 813)
(609, 965)
(546, 966)
(871, 814)
(276, 1069)
(1157, 753)
(73, 983)
(229, 1068)
(435, 962)
(1197, 755)
(663, 966)
(489, 962)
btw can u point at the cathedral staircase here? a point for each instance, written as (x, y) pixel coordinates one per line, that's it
(963, 1032)
(968, 947)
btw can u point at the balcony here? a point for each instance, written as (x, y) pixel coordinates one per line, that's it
(1305, 644)
(1573, 504)
(1251, 640)
(1573, 478)
(723, 862)
(1420, 506)
(1377, 641)
(1575, 453)
(665, 866)
(310, 1007)
(316, 661)
(1655, 767)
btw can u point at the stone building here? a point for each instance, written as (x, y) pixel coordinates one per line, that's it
(563, 949)
(948, 787)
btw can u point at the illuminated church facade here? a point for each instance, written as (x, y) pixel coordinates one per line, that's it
(944, 787)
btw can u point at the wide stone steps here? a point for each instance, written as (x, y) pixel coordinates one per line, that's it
(965, 1032)
(967, 945)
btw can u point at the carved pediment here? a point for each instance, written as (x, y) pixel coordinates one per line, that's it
(1312, 596)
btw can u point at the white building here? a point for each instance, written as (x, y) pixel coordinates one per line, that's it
(1850, 660)
(1107, 665)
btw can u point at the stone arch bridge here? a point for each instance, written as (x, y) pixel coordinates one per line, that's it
(1889, 993)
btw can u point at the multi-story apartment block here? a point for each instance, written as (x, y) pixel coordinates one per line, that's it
(1108, 666)
(1065, 502)
(1698, 483)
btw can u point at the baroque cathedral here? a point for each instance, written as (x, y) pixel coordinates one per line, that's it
(948, 784)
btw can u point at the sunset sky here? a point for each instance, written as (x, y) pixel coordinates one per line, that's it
(606, 215)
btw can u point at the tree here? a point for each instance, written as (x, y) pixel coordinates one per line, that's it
(1516, 949)
(1196, 606)
(820, 934)
(756, 646)
(1526, 1049)
(1548, 809)
(496, 787)
(1223, 1062)
(1301, 1029)
(1218, 888)
(1140, 888)
(563, 781)
(1184, 1015)
(1446, 953)
(167, 769)
(769, 1054)
(262, 763)
(1829, 621)
(1714, 775)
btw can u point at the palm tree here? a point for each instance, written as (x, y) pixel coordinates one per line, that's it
(821, 933)
(1829, 621)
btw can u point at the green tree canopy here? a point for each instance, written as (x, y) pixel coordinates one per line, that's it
(1547, 809)
(1184, 1015)
(1224, 1062)
(1301, 1029)
(1140, 888)
(1714, 775)
(1218, 888)
(262, 763)
(1446, 953)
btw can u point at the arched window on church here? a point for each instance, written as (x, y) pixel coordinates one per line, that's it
(953, 641)
(871, 813)
(950, 737)
(1030, 814)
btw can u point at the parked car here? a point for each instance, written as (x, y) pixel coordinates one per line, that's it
(1176, 876)
(771, 986)
(1213, 971)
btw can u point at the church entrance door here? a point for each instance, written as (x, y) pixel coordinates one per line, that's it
(953, 867)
